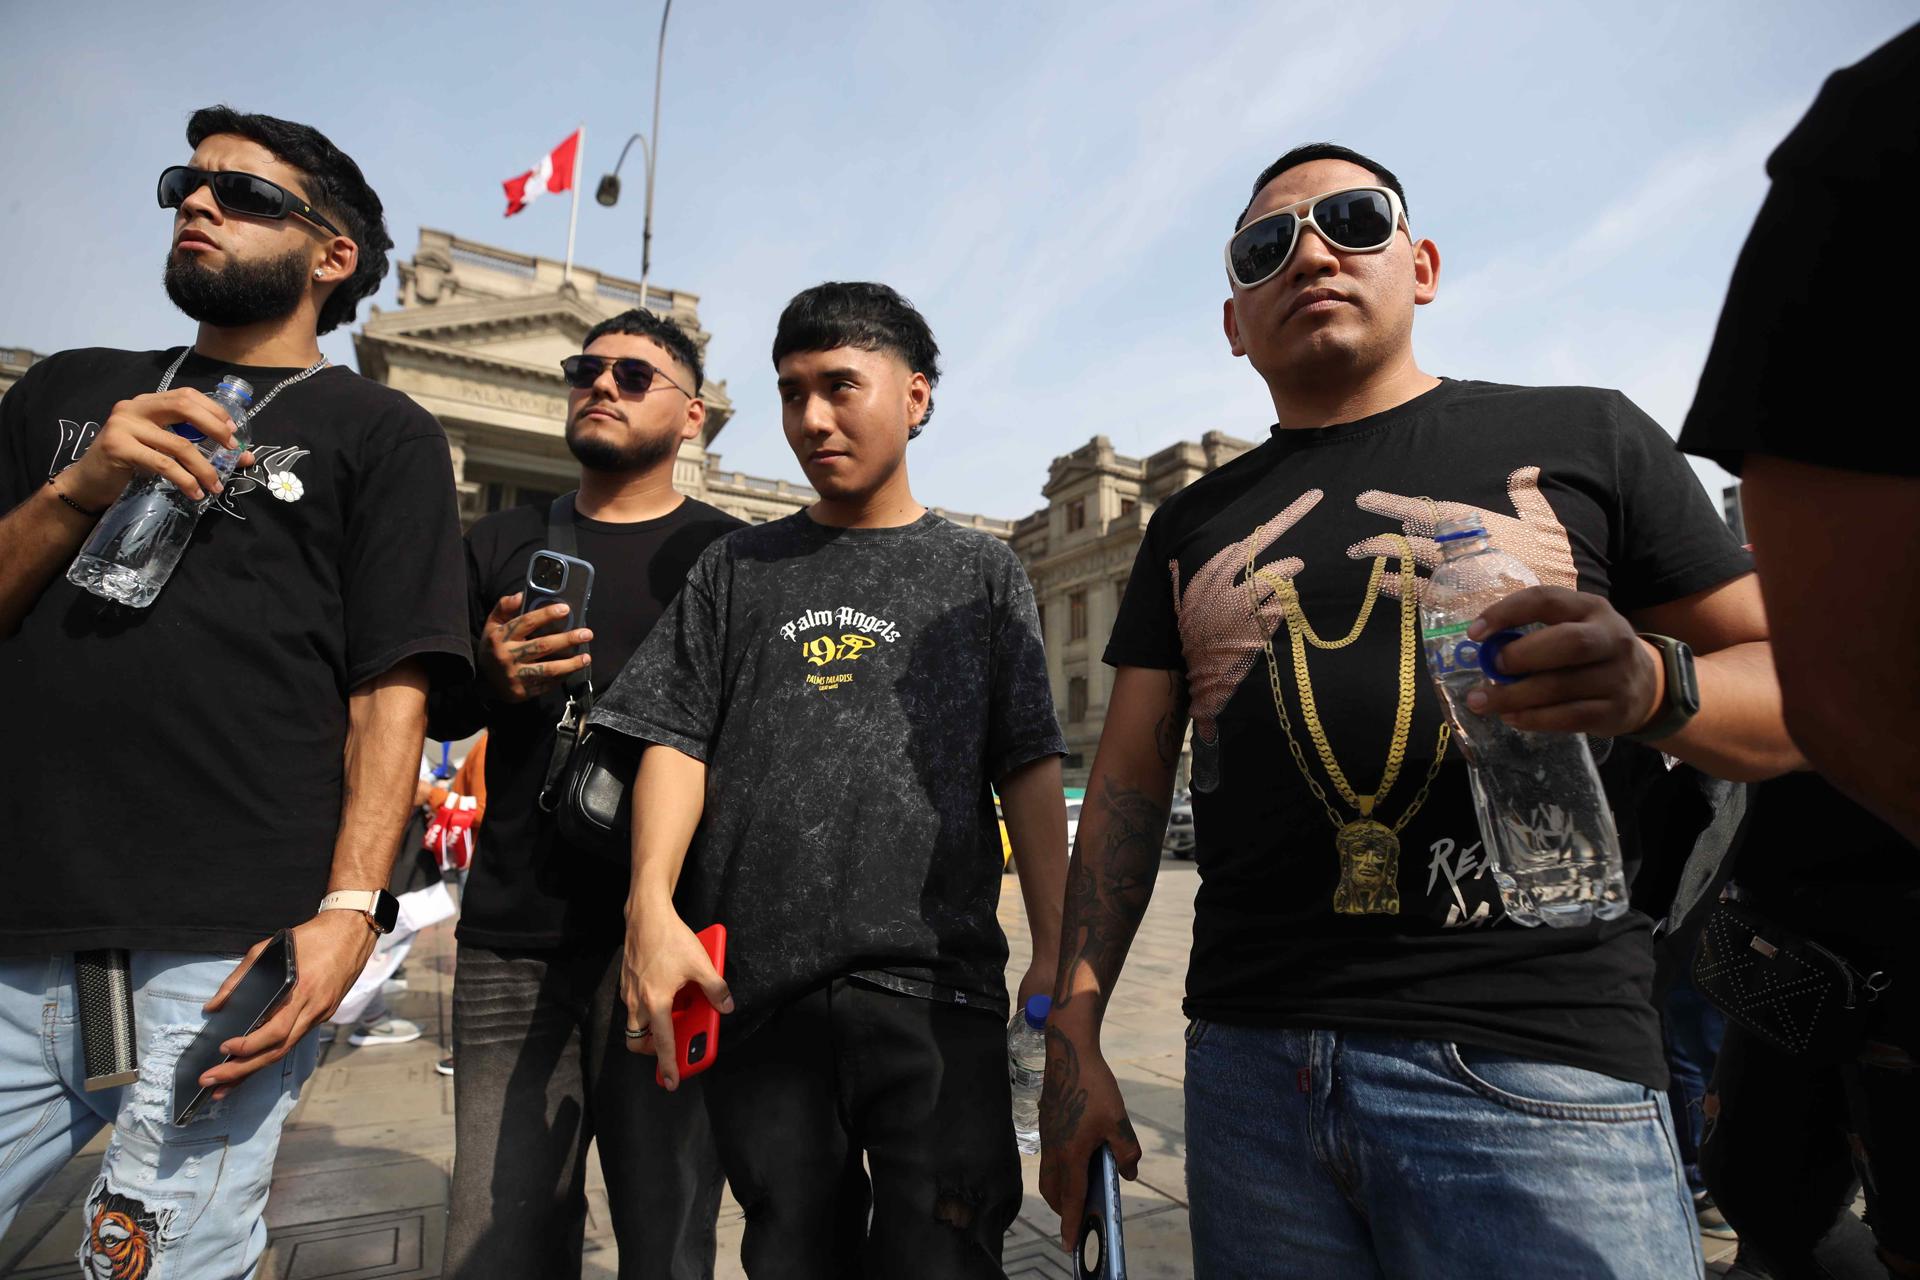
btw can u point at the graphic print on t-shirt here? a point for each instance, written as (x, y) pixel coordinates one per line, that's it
(1234, 608)
(835, 637)
(272, 467)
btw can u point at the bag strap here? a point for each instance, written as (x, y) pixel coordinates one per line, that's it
(561, 538)
(1711, 860)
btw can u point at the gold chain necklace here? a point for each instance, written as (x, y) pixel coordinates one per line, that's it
(1369, 849)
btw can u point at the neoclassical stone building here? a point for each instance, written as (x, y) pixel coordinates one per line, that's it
(1079, 550)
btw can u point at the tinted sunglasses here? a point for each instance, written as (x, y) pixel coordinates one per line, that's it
(241, 193)
(633, 376)
(1354, 220)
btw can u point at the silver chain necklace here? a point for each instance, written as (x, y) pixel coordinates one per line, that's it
(278, 387)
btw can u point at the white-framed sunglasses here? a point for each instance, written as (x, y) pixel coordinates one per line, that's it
(1352, 220)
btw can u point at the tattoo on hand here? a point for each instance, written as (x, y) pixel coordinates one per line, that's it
(1063, 1103)
(1105, 903)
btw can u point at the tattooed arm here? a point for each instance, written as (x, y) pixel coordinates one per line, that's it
(1109, 881)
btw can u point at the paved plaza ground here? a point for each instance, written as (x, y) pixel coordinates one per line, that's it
(360, 1190)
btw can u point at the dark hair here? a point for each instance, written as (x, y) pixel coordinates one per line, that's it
(859, 314)
(645, 324)
(1320, 151)
(335, 186)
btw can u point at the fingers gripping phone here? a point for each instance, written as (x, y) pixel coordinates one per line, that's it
(1102, 1255)
(258, 993)
(696, 1023)
(556, 579)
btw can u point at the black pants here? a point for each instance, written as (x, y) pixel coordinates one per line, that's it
(1779, 1161)
(917, 1087)
(542, 1070)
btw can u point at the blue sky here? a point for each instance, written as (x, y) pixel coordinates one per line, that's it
(1051, 184)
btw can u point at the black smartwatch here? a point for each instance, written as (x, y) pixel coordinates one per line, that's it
(1681, 702)
(381, 908)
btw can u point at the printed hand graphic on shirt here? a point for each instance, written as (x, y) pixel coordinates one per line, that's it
(1536, 537)
(1224, 623)
(272, 470)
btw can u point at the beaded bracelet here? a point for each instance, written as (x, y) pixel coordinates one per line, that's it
(91, 515)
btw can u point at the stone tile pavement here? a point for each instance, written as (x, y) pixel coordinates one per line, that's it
(361, 1185)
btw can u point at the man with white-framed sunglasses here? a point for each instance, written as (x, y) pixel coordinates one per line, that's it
(1385, 1075)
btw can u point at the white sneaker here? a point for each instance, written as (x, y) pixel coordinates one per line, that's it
(385, 1031)
(393, 986)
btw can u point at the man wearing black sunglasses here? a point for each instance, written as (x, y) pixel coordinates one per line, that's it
(1402, 1081)
(541, 926)
(260, 720)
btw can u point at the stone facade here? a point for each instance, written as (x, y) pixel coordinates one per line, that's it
(1079, 551)
(15, 361)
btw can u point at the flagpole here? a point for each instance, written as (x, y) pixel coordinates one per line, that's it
(573, 219)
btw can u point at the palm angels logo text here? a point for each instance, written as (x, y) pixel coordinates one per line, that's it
(844, 616)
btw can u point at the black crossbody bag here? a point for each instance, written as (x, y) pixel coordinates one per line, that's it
(590, 772)
(1790, 991)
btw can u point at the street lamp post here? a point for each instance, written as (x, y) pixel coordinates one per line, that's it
(609, 189)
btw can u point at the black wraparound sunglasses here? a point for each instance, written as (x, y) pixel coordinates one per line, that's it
(631, 375)
(242, 193)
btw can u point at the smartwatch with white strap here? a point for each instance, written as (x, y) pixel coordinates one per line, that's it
(381, 908)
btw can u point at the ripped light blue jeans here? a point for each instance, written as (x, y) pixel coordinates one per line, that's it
(170, 1201)
(1323, 1155)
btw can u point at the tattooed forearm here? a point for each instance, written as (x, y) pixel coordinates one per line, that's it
(1062, 1101)
(1108, 885)
(1170, 733)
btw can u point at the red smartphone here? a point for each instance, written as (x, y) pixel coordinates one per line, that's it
(696, 1023)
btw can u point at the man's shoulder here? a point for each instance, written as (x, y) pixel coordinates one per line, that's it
(1472, 395)
(395, 415)
(501, 532)
(704, 514)
(1199, 500)
(88, 364)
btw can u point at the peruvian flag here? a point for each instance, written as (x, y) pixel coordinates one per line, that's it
(553, 173)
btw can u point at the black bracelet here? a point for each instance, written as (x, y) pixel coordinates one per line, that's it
(91, 515)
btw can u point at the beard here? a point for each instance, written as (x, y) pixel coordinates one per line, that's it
(598, 454)
(241, 293)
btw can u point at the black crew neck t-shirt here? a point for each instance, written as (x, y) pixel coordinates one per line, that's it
(527, 888)
(174, 774)
(1820, 325)
(854, 694)
(1576, 482)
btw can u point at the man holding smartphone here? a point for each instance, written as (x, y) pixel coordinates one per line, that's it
(536, 1014)
(260, 720)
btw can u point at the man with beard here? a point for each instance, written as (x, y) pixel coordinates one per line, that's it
(543, 1070)
(296, 636)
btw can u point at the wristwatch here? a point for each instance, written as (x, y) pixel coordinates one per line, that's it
(381, 908)
(1681, 701)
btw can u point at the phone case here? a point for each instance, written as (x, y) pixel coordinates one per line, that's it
(576, 589)
(696, 1023)
(1102, 1253)
(248, 1005)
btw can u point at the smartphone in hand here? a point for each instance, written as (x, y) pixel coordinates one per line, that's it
(1102, 1255)
(258, 993)
(696, 1023)
(556, 579)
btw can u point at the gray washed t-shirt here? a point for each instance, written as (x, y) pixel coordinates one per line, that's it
(853, 693)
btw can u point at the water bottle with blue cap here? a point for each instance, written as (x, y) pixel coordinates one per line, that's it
(1027, 1069)
(1543, 815)
(134, 548)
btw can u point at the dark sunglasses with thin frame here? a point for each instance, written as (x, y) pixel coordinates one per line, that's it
(243, 193)
(632, 375)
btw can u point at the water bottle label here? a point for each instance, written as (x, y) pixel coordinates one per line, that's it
(187, 433)
(1449, 651)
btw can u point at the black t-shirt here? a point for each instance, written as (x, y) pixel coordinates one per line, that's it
(1818, 863)
(1820, 324)
(527, 888)
(174, 773)
(854, 693)
(1576, 482)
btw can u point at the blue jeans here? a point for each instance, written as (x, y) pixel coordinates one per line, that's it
(1324, 1154)
(171, 1201)
(1693, 1030)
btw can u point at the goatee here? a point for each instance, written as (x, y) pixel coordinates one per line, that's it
(241, 293)
(597, 454)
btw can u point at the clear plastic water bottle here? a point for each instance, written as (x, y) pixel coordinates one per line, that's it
(1027, 1067)
(134, 548)
(1543, 815)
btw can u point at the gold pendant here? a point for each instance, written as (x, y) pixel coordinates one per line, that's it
(1369, 869)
